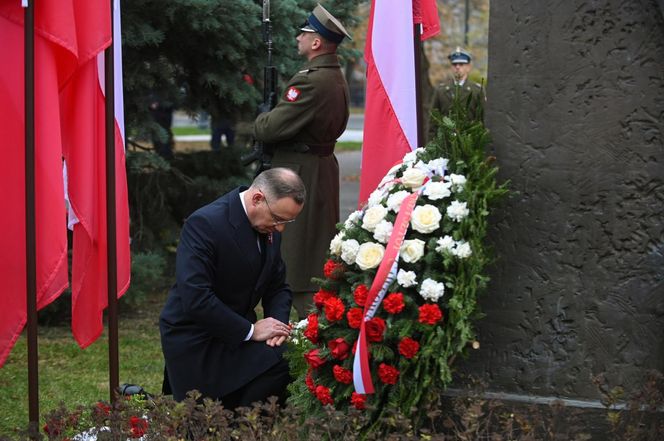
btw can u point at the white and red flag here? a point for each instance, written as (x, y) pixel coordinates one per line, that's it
(69, 35)
(390, 115)
(55, 54)
(84, 146)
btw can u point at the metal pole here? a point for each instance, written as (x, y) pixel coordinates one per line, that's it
(111, 254)
(417, 41)
(30, 234)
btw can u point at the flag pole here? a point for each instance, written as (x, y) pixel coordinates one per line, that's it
(30, 231)
(417, 41)
(112, 261)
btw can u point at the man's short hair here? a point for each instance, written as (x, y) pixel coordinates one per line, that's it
(280, 183)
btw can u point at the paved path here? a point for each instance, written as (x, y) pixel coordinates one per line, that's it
(349, 171)
(349, 162)
(353, 131)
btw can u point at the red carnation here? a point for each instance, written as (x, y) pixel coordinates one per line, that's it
(313, 359)
(102, 408)
(375, 329)
(334, 309)
(311, 331)
(354, 317)
(342, 375)
(309, 381)
(321, 296)
(408, 347)
(138, 426)
(430, 314)
(338, 348)
(388, 374)
(332, 269)
(360, 295)
(393, 303)
(358, 400)
(323, 395)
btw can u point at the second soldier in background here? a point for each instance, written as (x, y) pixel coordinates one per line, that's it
(458, 87)
(302, 130)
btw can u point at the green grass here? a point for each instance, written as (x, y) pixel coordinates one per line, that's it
(75, 376)
(348, 146)
(189, 130)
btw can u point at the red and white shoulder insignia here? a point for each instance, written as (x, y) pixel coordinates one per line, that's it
(292, 94)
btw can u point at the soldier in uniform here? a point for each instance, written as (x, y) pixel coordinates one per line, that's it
(302, 131)
(445, 93)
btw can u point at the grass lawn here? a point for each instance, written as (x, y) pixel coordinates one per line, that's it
(75, 376)
(189, 130)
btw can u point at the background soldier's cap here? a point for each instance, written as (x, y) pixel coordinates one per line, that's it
(459, 56)
(324, 23)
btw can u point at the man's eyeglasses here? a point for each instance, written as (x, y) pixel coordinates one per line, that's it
(276, 220)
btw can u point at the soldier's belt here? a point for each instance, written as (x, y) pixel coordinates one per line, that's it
(314, 149)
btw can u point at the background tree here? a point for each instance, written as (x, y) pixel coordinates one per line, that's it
(193, 53)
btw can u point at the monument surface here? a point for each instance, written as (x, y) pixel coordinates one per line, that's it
(576, 110)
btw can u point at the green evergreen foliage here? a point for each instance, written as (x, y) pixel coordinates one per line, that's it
(162, 193)
(192, 53)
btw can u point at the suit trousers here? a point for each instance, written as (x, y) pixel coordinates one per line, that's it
(272, 382)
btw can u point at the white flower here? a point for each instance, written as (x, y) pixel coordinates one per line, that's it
(373, 216)
(445, 244)
(412, 156)
(457, 210)
(376, 196)
(462, 250)
(336, 242)
(457, 181)
(406, 278)
(302, 324)
(437, 166)
(369, 255)
(383, 231)
(437, 190)
(413, 178)
(425, 218)
(412, 250)
(353, 218)
(390, 175)
(395, 199)
(432, 290)
(349, 251)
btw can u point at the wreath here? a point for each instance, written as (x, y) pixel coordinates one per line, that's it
(399, 297)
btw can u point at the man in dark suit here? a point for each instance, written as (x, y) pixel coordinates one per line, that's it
(228, 260)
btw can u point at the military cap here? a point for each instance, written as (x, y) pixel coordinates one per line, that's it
(459, 56)
(324, 23)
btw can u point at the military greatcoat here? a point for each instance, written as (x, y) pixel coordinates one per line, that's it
(302, 130)
(444, 95)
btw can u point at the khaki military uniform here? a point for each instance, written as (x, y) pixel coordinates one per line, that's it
(443, 98)
(302, 130)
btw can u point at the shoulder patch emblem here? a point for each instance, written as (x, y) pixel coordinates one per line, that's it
(292, 94)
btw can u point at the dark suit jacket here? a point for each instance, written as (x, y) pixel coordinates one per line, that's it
(210, 309)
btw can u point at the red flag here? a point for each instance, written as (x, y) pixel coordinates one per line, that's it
(390, 118)
(84, 149)
(55, 55)
(426, 13)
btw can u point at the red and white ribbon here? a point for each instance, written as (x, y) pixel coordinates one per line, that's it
(384, 277)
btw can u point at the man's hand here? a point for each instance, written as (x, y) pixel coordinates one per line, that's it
(270, 330)
(275, 341)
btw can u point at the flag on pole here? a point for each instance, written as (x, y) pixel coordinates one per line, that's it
(55, 58)
(390, 115)
(84, 146)
(69, 110)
